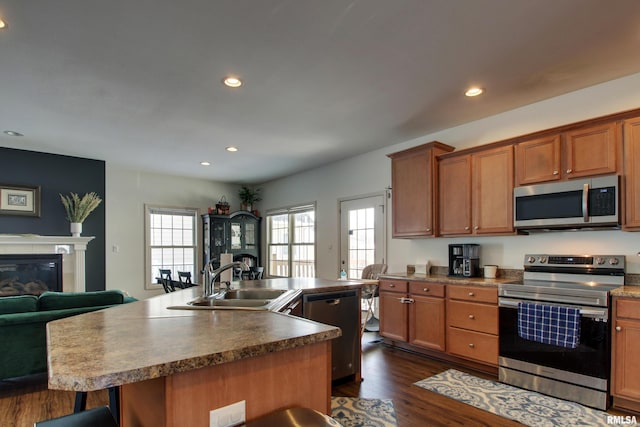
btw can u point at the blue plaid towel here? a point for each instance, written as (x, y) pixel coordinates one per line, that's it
(549, 324)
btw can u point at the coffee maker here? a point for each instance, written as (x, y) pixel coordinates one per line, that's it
(464, 260)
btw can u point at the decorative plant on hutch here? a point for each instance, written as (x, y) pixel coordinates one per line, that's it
(78, 209)
(248, 197)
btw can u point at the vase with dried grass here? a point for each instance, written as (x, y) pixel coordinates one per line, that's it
(78, 209)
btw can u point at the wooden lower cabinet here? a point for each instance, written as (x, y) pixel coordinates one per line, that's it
(625, 386)
(413, 312)
(472, 323)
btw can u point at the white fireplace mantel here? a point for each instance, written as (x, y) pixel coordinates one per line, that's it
(72, 249)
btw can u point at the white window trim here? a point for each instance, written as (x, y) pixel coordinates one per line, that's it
(149, 280)
(291, 210)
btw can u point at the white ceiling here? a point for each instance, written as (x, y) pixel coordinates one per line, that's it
(138, 82)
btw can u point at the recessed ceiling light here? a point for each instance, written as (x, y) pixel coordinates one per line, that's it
(474, 91)
(205, 163)
(232, 149)
(13, 133)
(2, 24)
(232, 81)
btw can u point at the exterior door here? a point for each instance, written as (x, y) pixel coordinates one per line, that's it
(362, 234)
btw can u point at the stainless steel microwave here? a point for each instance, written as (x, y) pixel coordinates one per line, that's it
(579, 203)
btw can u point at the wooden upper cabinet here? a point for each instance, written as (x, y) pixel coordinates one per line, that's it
(538, 160)
(588, 151)
(592, 151)
(492, 191)
(632, 173)
(476, 193)
(414, 184)
(455, 195)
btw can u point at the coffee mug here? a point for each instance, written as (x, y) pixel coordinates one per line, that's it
(490, 271)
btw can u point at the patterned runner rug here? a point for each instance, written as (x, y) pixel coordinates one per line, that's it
(355, 412)
(527, 407)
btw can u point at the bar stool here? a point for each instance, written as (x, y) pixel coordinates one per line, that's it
(370, 292)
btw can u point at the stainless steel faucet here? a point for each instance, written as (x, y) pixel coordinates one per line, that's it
(209, 276)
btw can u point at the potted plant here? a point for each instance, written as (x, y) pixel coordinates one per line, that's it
(248, 197)
(78, 209)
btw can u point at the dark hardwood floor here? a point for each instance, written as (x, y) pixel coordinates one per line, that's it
(388, 374)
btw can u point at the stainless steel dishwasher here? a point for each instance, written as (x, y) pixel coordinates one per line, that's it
(339, 309)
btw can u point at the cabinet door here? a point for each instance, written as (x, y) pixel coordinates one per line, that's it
(538, 160)
(455, 195)
(626, 369)
(393, 316)
(411, 181)
(493, 191)
(632, 172)
(592, 151)
(427, 322)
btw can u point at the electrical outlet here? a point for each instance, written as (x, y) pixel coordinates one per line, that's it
(228, 416)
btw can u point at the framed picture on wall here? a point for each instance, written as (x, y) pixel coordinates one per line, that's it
(21, 200)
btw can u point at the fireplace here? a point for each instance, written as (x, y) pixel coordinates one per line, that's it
(30, 274)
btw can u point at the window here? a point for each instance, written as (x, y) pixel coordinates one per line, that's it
(170, 242)
(291, 236)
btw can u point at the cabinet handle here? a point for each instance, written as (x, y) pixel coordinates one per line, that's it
(471, 345)
(471, 316)
(425, 290)
(471, 294)
(555, 172)
(618, 328)
(569, 170)
(406, 300)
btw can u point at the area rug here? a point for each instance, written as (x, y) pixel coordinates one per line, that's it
(356, 412)
(527, 407)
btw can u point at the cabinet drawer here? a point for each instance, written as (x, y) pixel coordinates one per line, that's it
(394, 286)
(473, 345)
(427, 289)
(473, 316)
(628, 308)
(473, 293)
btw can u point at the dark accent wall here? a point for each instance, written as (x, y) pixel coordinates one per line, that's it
(56, 174)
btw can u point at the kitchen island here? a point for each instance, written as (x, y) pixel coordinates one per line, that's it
(174, 366)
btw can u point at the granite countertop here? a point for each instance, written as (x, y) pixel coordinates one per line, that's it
(439, 278)
(629, 291)
(144, 340)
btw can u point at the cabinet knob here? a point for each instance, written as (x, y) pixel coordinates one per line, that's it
(466, 228)
(391, 285)
(471, 316)
(471, 345)
(471, 294)
(555, 172)
(476, 227)
(428, 229)
(569, 170)
(425, 290)
(618, 328)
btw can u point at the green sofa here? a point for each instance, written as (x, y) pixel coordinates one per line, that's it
(23, 319)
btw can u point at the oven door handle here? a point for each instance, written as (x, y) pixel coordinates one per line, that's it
(584, 311)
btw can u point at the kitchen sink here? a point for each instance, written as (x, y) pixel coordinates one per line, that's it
(241, 299)
(253, 294)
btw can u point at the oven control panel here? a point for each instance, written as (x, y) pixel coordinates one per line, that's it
(568, 261)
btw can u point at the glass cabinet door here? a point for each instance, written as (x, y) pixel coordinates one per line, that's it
(236, 236)
(249, 235)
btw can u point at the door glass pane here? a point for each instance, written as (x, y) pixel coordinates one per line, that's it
(236, 242)
(249, 235)
(361, 241)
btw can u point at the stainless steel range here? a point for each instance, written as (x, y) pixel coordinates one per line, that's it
(555, 335)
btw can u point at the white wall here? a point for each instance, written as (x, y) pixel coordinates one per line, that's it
(371, 172)
(127, 191)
